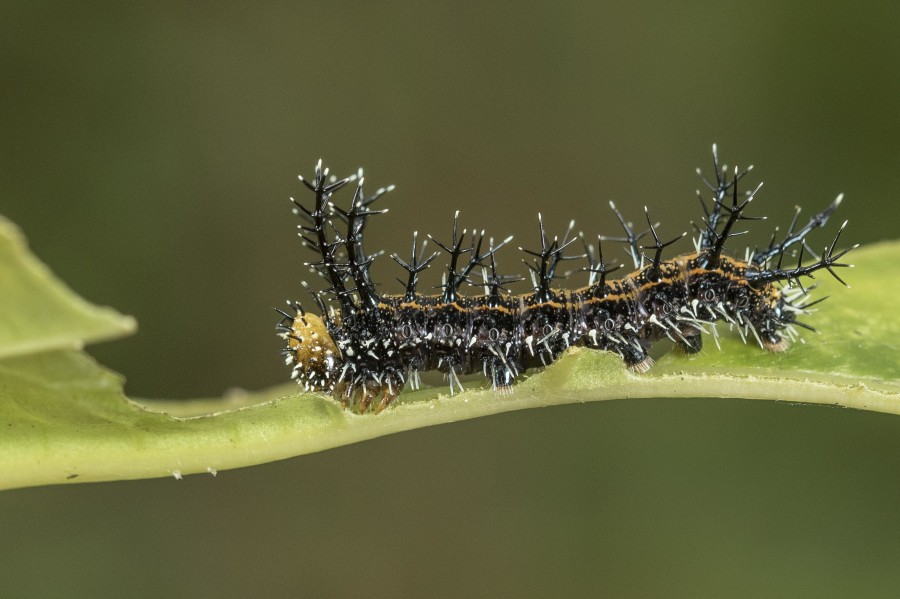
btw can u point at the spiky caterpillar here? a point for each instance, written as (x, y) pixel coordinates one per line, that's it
(366, 346)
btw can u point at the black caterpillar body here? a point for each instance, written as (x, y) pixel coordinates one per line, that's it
(366, 346)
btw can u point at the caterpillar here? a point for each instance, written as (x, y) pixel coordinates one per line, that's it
(364, 346)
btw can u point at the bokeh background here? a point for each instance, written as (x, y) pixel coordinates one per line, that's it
(148, 149)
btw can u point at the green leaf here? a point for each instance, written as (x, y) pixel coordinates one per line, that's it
(63, 418)
(39, 312)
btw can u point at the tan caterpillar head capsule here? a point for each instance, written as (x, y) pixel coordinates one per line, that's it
(316, 359)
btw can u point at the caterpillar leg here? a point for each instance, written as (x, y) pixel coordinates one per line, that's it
(636, 357)
(371, 394)
(775, 343)
(385, 401)
(690, 341)
(367, 394)
(501, 370)
(641, 367)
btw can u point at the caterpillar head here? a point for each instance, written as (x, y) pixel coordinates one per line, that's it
(316, 360)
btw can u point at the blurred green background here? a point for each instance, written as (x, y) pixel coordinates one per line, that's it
(148, 149)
